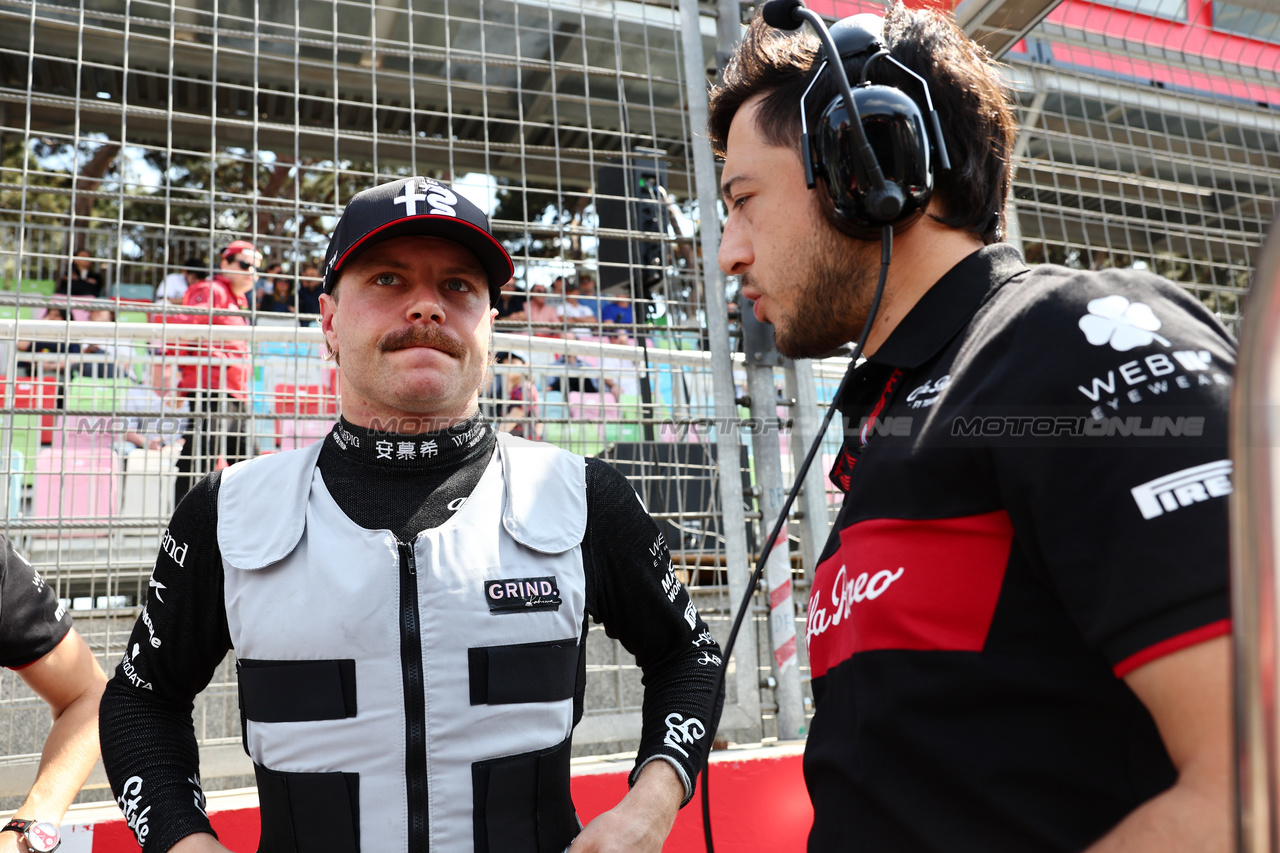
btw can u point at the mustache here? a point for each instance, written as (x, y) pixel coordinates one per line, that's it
(422, 336)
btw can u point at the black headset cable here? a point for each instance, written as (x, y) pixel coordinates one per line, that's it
(886, 253)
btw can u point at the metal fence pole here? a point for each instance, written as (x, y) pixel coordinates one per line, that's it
(1255, 518)
(728, 29)
(728, 440)
(772, 494)
(815, 521)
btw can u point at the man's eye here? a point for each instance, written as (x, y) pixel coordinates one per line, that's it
(740, 201)
(387, 278)
(459, 285)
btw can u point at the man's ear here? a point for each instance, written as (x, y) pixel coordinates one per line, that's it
(328, 326)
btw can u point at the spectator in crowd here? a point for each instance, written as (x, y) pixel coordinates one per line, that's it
(117, 353)
(620, 374)
(519, 415)
(510, 301)
(309, 292)
(616, 309)
(556, 296)
(266, 282)
(218, 387)
(61, 347)
(539, 311)
(587, 293)
(572, 310)
(82, 280)
(280, 299)
(157, 414)
(38, 642)
(174, 285)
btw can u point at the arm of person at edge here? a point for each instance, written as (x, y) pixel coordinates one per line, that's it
(1188, 694)
(637, 609)
(70, 680)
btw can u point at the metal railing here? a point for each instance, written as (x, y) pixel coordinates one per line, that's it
(1255, 563)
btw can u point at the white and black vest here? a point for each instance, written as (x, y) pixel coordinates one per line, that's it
(402, 697)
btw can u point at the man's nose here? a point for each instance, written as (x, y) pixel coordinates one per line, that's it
(736, 254)
(425, 304)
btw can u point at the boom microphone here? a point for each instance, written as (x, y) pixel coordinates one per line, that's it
(781, 14)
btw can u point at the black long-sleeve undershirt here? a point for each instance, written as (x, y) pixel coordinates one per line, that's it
(182, 636)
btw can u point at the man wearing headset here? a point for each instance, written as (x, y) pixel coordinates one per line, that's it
(1019, 626)
(408, 599)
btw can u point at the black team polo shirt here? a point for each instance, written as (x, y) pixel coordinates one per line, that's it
(1035, 468)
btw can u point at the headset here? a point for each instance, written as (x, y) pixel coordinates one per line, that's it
(872, 150)
(870, 145)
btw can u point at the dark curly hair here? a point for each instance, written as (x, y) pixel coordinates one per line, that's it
(973, 104)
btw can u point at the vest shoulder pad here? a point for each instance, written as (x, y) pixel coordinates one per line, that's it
(546, 494)
(262, 506)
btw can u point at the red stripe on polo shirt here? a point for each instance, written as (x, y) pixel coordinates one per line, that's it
(928, 585)
(1171, 645)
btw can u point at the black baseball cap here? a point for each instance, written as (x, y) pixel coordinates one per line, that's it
(415, 206)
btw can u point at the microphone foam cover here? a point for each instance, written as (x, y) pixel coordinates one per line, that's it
(781, 15)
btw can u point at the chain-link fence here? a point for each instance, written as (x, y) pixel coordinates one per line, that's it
(139, 138)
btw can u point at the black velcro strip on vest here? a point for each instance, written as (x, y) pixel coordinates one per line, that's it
(308, 812)
(522, 803)
(296, 691)
(557, 818)
(528, 672)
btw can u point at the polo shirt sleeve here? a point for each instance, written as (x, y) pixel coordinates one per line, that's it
(32, 620)
(1117, 482)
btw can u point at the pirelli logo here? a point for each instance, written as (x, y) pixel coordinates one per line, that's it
(1183, 488)
(521, 595)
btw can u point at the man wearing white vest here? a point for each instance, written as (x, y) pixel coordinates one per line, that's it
(407, 600)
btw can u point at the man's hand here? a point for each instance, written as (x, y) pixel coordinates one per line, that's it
(642, 821)
(200, 842)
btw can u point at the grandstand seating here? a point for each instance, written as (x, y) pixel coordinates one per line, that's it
(41, 393)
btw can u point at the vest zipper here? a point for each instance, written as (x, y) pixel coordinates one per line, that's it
(414, 701)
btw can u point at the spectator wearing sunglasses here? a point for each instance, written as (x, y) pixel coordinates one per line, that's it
(218, 385)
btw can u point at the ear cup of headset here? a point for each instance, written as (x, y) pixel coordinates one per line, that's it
(895, 129)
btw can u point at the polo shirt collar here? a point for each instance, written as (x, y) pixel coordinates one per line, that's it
(947, 307)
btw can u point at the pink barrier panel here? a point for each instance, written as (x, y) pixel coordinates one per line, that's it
(76, 486)
(756, 805)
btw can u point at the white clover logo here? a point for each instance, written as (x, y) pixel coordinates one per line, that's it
(1121, 323)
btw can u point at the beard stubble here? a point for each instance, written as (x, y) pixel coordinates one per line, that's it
(834, 292)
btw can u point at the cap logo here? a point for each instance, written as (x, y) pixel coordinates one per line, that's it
(440, 199)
